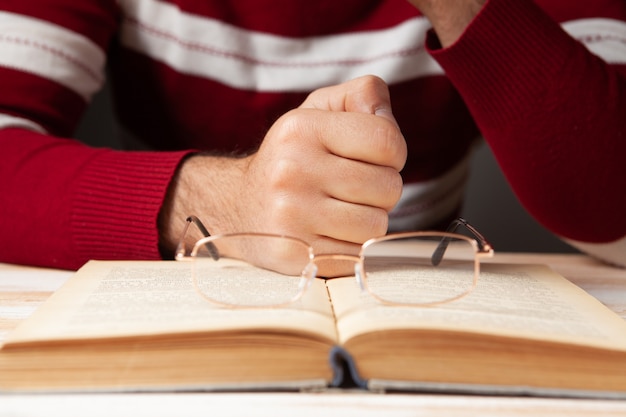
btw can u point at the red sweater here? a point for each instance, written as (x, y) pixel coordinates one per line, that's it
(214, 75)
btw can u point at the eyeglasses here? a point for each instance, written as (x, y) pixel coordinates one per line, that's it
(259, 270)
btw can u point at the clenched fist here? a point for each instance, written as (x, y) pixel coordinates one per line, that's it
(326, 172)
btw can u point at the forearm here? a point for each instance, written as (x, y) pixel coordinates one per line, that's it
(552, 113)
(205, 186)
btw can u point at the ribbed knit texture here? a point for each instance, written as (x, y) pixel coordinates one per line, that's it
(116, 203)
(73, 203)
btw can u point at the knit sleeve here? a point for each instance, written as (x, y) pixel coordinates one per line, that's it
(550, 100)
(62, 202)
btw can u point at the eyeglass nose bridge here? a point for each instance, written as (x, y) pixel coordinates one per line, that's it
(309, 273)
(358, 264)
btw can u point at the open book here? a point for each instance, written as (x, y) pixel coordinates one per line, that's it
(140, 325)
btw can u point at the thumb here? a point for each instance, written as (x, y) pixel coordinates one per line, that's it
(368, 94)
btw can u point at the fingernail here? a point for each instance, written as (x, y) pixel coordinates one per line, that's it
(386, 113)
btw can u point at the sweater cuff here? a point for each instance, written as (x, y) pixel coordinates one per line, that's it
(117, 202)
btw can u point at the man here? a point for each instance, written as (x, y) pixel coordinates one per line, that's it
(542, 82)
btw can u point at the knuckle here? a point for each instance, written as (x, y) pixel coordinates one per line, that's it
(289, 123)
(377, 223)
(284, 215)
(394, 189)
(283, 175)
(293, 125)
(390, 144)
(388, 189)
(370, 81)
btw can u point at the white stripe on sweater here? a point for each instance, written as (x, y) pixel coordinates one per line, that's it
(429, 202)
(605, 38)
(249, 59)
(8, 121)
(51, 51)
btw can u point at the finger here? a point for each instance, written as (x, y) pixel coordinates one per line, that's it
(313, 214)
(359, 183)
(347, 222)
(357, 136)
(368, 95)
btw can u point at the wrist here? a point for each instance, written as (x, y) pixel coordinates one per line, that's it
(449, 18)
(204, 186)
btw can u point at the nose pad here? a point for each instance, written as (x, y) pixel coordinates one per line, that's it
(359, 273)
(308, 273)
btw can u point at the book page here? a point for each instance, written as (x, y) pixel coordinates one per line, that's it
(529, 301)
(134, 298)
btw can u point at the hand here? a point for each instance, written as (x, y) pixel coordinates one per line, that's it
(449, 18)
(326, 172)
(329, 171)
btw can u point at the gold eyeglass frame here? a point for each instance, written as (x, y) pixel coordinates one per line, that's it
(482, 249)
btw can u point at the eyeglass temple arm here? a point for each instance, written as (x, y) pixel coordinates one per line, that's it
(180, 249)
(483, 244)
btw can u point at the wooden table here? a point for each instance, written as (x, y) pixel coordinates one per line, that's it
(23, 289)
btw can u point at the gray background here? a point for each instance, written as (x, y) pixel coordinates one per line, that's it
(490, 204)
